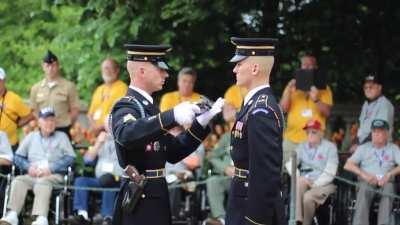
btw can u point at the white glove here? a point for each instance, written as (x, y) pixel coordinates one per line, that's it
(185, 112)
(216, 108)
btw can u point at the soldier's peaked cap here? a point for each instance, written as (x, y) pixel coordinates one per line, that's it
(148, 53)
(246, 47)
(49, 57)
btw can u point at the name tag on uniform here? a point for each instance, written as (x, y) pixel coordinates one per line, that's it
(108, 167)
(97, 114)
(51, 84)
(307, 113)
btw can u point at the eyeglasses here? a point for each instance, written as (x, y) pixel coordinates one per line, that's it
(312, 132)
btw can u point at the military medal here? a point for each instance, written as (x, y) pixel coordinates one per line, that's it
(239, 127)
(156, 146)
(148, 148)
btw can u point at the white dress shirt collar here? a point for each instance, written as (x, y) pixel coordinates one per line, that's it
(253, 92)
(143, 93)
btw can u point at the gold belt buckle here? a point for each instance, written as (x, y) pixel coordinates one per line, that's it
(241, 173)
(158, 173)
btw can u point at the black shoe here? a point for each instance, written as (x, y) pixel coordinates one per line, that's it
(77, 220)
(107, 221)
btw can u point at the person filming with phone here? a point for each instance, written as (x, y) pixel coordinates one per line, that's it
(305, 97)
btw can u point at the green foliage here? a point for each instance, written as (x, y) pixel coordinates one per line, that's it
(350, 38)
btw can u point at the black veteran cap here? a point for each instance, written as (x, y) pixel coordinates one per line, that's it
(379, 124)
(46, 112)
(246, 47)
(148, 53)
(49, 57)
(373, 78)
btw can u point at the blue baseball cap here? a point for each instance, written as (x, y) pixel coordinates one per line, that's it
(46, 112)
(379, 124)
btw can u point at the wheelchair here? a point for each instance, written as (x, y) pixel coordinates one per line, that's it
(193, 207)
(350, 196)
(5, 186)
(60, 206)
(325, 214)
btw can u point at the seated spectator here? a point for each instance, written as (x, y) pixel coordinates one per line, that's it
(222, 166)
(318, 161)
(107, 172)
(45, 155)
(14, 112)
(376, 163)
(376, 106)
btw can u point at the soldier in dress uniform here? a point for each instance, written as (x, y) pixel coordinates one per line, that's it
(256, 143)
(142, 139)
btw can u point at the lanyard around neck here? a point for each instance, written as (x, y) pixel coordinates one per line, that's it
(312, 155)
(2, 104)
(381, 156)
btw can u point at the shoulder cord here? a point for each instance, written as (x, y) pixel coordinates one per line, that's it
(141, 109)
(142, 115)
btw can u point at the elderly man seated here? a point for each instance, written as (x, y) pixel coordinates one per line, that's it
(376, 163)
(107, 172)
(318, 162)
(45, 155)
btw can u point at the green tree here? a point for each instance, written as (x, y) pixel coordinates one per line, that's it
(350, 38)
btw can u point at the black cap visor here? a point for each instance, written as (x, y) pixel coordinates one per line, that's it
(237, 58)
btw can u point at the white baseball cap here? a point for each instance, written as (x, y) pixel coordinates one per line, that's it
(2, 74)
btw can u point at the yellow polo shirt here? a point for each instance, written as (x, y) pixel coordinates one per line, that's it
(234, 95)
(171, 99)
(104, 98)
(303, 109)
(12, 108)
